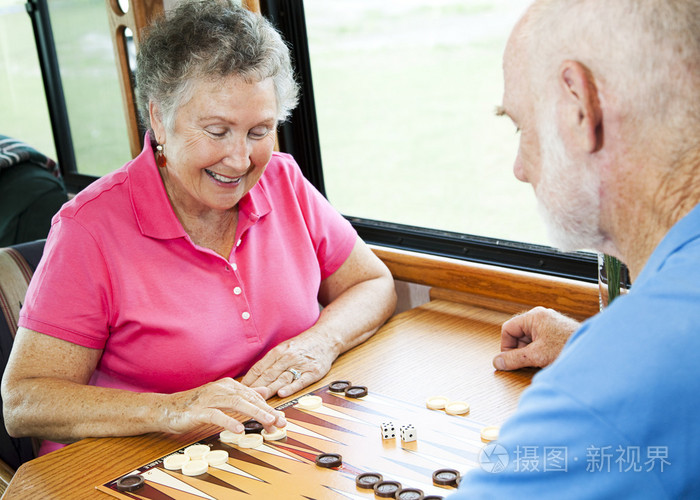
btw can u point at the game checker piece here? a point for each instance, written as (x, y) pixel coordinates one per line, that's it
(329, 460)
(386, 489)
(446, 477)
(310, 402)
(130, 483)
(339, 385)
(409, 494)
(356, 391)
(195, 467)
(367, 480)
(252, 427)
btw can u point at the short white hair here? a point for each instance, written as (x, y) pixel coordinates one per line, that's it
(644, 53)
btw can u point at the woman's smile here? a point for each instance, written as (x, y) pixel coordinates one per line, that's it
(220, 178)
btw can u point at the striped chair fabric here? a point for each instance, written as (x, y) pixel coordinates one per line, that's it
(17, 264)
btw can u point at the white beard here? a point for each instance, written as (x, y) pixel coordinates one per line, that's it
(568, 194)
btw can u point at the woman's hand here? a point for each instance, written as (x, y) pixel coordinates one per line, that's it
(211, 403)
(45, 395)
(357, 298)
(309, 353)
(534, 338)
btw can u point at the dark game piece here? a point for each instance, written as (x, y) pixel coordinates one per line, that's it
(329, 460)
(367, 480)
(253, 427)
(446, 477)
(409, 494)
(356, 391)
(386, 489)
(339, 385)
(130, 483)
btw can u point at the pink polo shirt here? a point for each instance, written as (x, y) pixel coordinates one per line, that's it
(120, 274)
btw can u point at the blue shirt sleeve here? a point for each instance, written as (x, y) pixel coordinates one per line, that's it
(558, 448)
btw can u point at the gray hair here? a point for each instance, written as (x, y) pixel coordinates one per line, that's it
(646, 53)
(205, 40)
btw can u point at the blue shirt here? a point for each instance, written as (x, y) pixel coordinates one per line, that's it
(618, 414)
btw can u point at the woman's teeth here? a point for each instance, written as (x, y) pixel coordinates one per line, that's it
(221, 178)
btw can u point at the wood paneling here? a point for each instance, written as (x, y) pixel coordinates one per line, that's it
(488, 284)
(138, 15)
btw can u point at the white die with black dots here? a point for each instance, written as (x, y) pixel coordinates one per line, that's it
(388, 430)
(408, 433)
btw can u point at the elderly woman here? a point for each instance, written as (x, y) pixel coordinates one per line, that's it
(203, 259)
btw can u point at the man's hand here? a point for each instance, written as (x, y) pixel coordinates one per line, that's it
(534, 338)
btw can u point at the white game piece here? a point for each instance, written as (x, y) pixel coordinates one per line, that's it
(437, 402)
(309, 402)
(408, 433)
(197, 451)
(176, 461)
(216, 457)
(231, 437)
(250, 441)
(195, 467)
(457, 408)
(490, 433)
(388, 430)
(274, 435)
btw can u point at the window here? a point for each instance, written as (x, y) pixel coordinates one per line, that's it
(398, 108)
(23, 111)
(395, 124)
(405, 92)
(90, 85)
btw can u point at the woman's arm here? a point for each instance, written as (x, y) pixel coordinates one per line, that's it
(45, 395)
(358, 299)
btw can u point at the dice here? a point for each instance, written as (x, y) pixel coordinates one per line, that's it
(408, 433)
(388, 430)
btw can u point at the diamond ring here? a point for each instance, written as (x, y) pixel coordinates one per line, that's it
(295, 373)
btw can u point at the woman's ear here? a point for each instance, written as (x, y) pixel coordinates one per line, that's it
(156, 122)
(581, 113)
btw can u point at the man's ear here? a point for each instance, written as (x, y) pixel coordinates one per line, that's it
(581, 113)
(156, 122)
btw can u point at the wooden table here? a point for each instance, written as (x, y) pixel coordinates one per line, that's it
(440, 348)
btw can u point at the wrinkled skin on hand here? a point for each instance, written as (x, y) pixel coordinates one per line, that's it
(308, 353)
(210, 403)
(533, 339)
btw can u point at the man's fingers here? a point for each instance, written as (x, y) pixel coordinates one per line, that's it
(516, 358)
(516, 332)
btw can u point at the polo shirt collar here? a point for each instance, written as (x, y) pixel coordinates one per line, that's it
(253, 206)
(153, 211)
(684, 231)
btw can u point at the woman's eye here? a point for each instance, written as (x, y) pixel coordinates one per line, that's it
(259, 132)
(216, 132)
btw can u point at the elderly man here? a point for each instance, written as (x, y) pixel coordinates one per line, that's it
(606, 95)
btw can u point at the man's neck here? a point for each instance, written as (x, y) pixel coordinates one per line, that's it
(646, 214)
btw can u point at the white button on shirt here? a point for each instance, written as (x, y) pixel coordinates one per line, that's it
(245, 315)
(237, 290)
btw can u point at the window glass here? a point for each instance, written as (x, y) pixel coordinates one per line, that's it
(405, 93)
(23, 111)
(90, 84)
